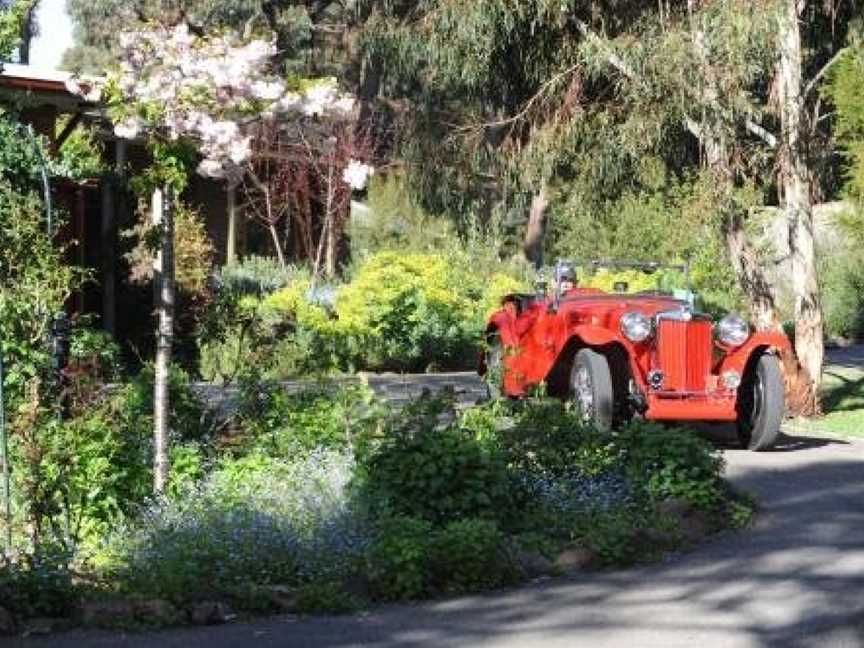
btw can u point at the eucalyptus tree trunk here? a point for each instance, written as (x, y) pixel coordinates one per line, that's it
(535, 232)
(797, 203)
(751, 276)
(163, 275)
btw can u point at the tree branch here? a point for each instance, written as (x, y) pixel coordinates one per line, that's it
(769, 138)
(619, 64)
(614, 60)
(811, 85)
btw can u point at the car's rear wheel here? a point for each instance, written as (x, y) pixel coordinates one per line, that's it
(494, 376)
(591, 388)
(761, 404)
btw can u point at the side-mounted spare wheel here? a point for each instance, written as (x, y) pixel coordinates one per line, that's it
(761, 404)
(591, 388)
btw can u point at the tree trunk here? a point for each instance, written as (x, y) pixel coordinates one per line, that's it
(751, 277)
(162, 216)
(332, 251)
(231, 242)
(535, 232)
(28, 31)
(745, 262)
(795, 184)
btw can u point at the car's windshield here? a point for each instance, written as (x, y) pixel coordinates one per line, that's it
(626, 278)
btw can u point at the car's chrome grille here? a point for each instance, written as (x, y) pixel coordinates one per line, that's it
(684, 354)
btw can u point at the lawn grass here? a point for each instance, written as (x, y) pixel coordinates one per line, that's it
(842, 402)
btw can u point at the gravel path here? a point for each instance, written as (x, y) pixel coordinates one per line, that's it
(795, 580)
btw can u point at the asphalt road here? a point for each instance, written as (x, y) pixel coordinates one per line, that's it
(795, 580)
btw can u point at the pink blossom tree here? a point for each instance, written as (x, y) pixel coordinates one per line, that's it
(179, 88)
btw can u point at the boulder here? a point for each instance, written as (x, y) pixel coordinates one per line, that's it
(675, 507)
(45, 625)
(574, 557)
(7, 622)
(210, 613)
(695, 527)
(113, 613)
(282, 597)
(156, 612)
(534, 563)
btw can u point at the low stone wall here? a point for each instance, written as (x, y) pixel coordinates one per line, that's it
(397, 389)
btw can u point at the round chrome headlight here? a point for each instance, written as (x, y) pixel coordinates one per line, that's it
(635, 326)
(733, 330)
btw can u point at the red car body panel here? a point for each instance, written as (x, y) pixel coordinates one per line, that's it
(538, 335)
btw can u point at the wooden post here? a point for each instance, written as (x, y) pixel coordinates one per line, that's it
(231, 245)
(112, 186)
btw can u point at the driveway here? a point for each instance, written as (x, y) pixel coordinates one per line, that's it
(795, 580)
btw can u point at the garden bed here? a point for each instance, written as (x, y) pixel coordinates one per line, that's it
(330, 501)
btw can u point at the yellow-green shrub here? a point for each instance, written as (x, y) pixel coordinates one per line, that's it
(400, 311)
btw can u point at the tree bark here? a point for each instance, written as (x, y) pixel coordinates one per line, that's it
(796, 199)
(744, 259)
(231, 238)
(535, 232)
(163, 265)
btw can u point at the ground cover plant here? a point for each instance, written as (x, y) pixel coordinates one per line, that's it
(328, 500)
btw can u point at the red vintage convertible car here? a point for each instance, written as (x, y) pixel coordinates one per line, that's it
(649, 354)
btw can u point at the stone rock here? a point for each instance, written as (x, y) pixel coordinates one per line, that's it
(116, 613)
(282, 597)
(660, 538)
(45, 625)
(675, 507)
(210, 613)
(357, 585)
(695, 527)
(156, 612)
(534, 563)
(574, 557)
(7, 622)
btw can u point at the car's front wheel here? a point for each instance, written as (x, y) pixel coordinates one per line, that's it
(591, 388)
(761, 404)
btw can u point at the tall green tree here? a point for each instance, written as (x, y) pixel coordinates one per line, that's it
(502, 100)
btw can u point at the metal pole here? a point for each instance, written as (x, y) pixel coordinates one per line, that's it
(46, 189)
(4, 456)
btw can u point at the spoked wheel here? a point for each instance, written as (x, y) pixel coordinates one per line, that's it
(494, 367)
(761, 405)
(591, 388)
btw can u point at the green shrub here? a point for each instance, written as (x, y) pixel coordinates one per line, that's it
(189, 419)
(664, 462)
(38, 584)
(282, 424)
(433, 471)
(610, 535)
(326, 597)
(399, 311)
(255, 275)
(546, 437)
(842, 281)
(468, 556)
(398, 559)
(96, 348)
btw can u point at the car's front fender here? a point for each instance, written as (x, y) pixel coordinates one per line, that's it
(761, 342)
